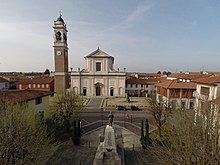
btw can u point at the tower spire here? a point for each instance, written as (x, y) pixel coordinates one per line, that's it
(61, 77)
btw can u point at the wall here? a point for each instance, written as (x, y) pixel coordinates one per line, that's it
(40, 107)
(88, 81)
(4, 85)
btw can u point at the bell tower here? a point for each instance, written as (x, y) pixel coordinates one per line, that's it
(61, 77)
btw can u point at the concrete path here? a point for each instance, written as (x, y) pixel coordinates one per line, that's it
(94, 103)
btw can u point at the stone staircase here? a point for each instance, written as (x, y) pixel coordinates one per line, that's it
(109, 158)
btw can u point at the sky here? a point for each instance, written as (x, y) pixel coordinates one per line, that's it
(142, 35)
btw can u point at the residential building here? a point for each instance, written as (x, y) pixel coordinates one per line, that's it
(12, 81)
(141, 87)
(177, 93)
(179, 88)
(33, 99)
(4, 84)
(36, 83)
(207, 89)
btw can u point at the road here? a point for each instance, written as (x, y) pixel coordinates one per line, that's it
(144, 114)
(95, 119)
(95, 116)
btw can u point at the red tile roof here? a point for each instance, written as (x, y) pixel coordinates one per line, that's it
(174, 84)
(150, 81)
(3, 80)
(193, 76)
(37, 80)
(175, 75)
(189, 75)
(11, 78)
(16, 96)
(150, 75)
(209, 80)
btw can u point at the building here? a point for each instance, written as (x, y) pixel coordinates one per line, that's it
(207, 89)
(36, 83)
(4, 84)
(177, 93)
(141, 87)
(99, 78)
(33, 99)
(61, 75)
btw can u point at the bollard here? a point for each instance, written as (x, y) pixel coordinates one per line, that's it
(133, 147)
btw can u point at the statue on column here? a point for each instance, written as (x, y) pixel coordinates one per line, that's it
(110, 118)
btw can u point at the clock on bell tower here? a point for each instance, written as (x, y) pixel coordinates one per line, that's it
(61, 77)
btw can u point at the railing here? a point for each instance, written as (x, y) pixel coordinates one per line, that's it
(202, 97)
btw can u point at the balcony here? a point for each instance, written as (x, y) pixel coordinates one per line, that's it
(202, 97)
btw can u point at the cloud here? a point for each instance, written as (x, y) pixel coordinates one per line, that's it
(139, 11)
(134, 16)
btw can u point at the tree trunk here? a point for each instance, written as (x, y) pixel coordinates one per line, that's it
(159, 131)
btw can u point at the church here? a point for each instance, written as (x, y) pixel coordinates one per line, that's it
(98, 78)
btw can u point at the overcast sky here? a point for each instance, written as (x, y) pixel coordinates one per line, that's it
(142, 35)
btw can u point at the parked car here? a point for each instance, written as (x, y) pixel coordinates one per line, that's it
(120, 108)
(135, 108)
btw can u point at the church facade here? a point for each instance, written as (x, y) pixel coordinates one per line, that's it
(98, 78)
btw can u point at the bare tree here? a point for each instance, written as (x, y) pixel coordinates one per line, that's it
(161, 111)
(193, 140)
(66, 108)
(23, 139)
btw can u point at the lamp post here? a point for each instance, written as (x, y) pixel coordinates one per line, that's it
(82, 100)
(102, 115)
(124, 116)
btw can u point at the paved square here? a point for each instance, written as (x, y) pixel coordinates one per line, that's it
(134, 101)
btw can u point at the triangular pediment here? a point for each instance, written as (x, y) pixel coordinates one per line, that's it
(98, 53)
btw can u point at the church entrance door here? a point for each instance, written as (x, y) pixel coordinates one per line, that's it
(98, 91)
(111, 92)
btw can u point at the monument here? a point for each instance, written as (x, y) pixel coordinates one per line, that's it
(110, 118)
(107, 150)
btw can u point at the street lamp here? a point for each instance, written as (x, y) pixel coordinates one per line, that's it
(124, 116)
(102, 115)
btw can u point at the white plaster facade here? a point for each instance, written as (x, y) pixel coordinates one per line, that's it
(213, 92)
(99, 78)
(140, 89)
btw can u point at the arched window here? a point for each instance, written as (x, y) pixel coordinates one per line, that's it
(58, 35)
(75, 90)
(120, 91)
